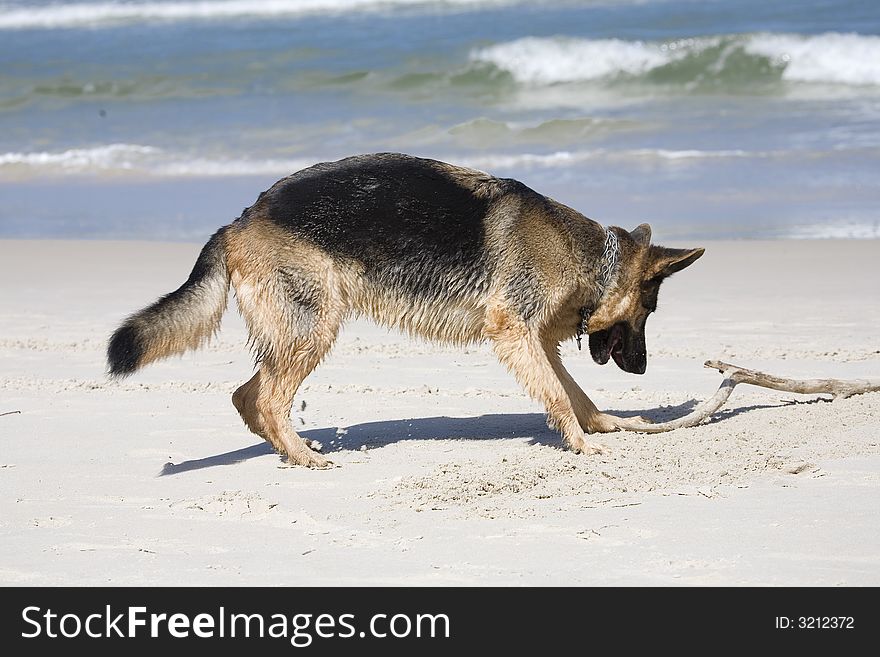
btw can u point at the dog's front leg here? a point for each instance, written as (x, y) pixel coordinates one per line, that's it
(520, 349)
(589, 417)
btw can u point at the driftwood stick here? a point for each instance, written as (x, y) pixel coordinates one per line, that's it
(9, 413)
(734, 375)
(835, 387)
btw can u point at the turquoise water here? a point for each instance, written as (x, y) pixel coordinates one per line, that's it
(705, 118)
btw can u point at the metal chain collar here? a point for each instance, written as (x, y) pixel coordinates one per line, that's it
(610, 258)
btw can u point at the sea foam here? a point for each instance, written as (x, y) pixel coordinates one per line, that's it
(136, 159)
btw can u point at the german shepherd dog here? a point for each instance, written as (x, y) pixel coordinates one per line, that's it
(440, 251)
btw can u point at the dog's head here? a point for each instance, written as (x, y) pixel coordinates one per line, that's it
(617, 327)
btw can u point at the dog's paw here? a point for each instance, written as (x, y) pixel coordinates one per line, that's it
(310, 459)
(579, 445)
(592, 448)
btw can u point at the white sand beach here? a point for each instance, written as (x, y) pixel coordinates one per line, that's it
(447, 472)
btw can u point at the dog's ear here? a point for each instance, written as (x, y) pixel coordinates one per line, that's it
(641, 234)
(666, 262)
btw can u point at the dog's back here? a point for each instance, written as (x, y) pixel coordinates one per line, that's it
(414, 225)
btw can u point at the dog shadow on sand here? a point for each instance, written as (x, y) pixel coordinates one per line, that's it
(485, 427)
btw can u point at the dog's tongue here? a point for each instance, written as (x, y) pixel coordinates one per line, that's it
(614, 338)
(603, 348)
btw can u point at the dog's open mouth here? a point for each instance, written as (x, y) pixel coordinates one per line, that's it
(608, 344)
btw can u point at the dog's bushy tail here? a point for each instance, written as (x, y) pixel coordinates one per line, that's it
(181, 320)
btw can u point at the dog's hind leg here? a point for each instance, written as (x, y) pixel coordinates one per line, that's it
(521, 350)
(245, 401)
(293, 318)
(278, 383)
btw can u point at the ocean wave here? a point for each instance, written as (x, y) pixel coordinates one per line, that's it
(841, 58)
(849, 59)
(139, 160)
(108, 14)
(135, 159)
(111, 157)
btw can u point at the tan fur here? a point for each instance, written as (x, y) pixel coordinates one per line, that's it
(456, 321)
(200, 329)
(290, 347)
(197, 320)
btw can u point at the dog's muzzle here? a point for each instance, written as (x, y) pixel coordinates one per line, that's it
(621, 344)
